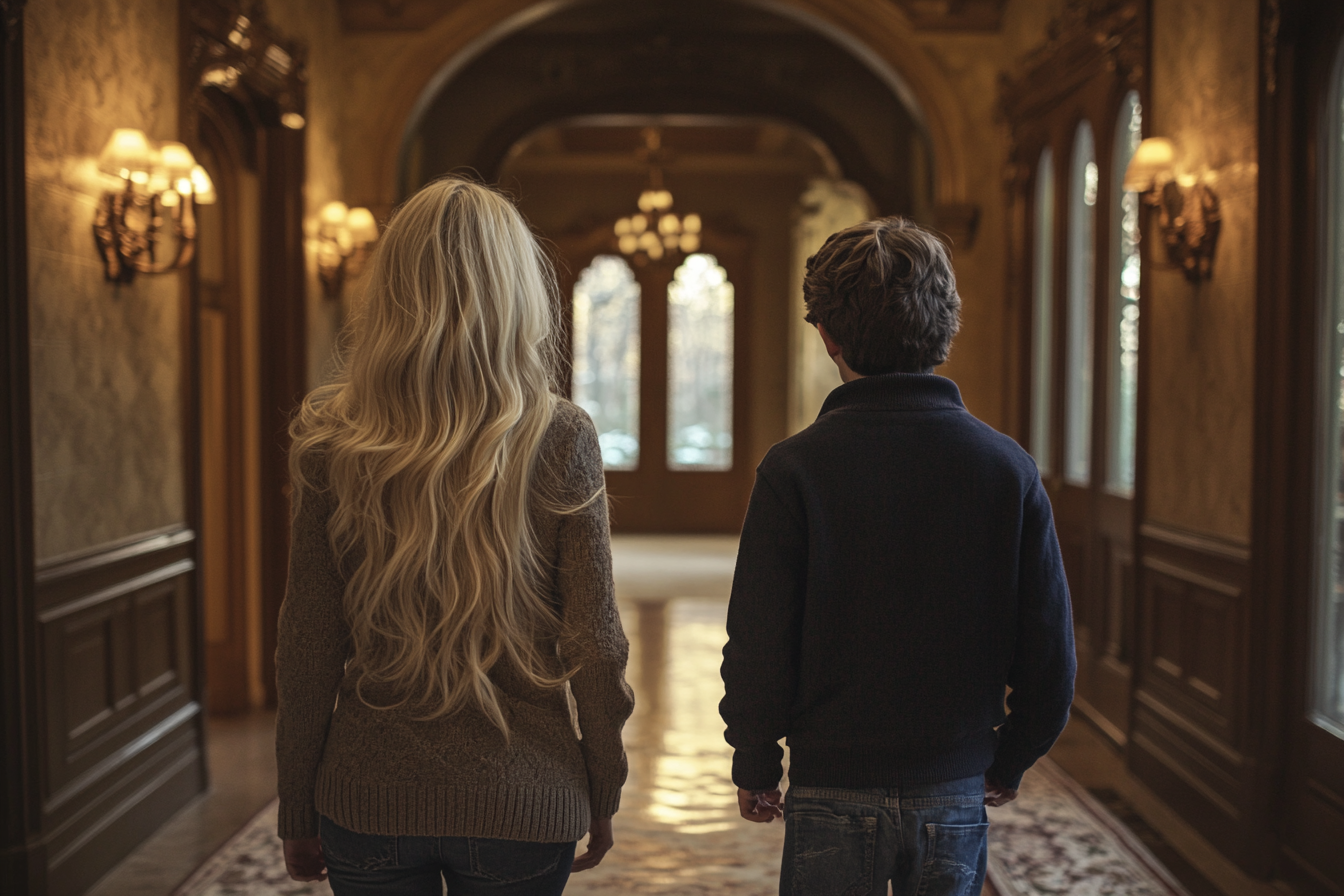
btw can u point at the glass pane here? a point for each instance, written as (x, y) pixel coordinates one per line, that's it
(1043, 324)
(1328, 688)
(1124, 303)
(1082, 265)
(700, 366)
(606, 357)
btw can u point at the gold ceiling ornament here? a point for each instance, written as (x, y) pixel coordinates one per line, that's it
(159, 187)
(656, 231)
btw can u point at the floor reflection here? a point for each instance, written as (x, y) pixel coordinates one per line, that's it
(678, 830)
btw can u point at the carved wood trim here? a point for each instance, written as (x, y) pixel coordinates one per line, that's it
(1091, 37)
(232, 45)
(22, 854)
(954, 15)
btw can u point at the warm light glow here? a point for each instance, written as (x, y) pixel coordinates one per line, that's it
(202, 186)
(127, 152)
(140, 177)
(690, 242)
(183, 185)
(647, 201)
(332, 218)
(293, 120)
(170, 198)
(628, 243)
(638, 224)
(176, 159)
(622, 226)
(691, 223)
(1153, 161)
(363, 228)
(668, 224)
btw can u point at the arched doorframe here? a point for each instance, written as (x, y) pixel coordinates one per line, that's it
(444, 49)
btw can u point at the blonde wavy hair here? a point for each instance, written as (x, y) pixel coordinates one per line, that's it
(430, 436)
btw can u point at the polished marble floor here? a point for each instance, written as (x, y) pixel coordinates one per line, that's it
(678, 831)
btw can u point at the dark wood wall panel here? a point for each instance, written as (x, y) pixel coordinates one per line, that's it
(122, 734)
(1188, 737)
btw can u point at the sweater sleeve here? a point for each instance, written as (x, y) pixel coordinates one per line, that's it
(311, 648)
(594, 642)
(1043, 667)
(760, 660)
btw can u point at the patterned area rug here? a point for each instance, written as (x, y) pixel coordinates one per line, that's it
(1057, 839)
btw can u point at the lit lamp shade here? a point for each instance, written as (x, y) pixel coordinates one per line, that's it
(202, 186)
(332, 218)
(1155, 159)
(363, 228)
(176, 160)
(127, 152)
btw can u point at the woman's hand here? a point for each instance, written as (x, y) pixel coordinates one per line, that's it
(303, 859)
(599, 841)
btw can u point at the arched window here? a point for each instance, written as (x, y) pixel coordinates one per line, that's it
(1042, 314)
(1124, 328)
(1082, 283)
(606, 357)
(1328, 686)
(700, 366)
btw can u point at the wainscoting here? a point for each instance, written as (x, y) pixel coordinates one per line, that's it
(116, 635)
(1188, 738)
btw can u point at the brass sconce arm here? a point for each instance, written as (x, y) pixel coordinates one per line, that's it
(160, 187)
(345, 239)
(1188, 213)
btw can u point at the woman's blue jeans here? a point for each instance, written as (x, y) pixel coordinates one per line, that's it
(928, 840)
(376, 865)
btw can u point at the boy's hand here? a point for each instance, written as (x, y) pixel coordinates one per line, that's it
(304, 860)
(759, 805)
(998, 795)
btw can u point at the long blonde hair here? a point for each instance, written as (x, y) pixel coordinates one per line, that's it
(431, 437)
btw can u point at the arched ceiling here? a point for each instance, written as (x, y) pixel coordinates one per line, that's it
(674, 57)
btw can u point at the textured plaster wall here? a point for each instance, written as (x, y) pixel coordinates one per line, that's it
(316, 23)
(1201, 340)
(107, 450)
(971, 63)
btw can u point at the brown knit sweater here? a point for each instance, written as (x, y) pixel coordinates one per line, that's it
(381, 771)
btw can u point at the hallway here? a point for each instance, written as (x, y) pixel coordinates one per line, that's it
(678, 831)
(1143, 201)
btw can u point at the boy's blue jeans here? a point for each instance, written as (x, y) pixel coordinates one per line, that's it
(375, 865)
(928, 840)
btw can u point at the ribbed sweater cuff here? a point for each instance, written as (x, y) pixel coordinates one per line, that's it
(298, 819)
(604, 800)
(537, 814)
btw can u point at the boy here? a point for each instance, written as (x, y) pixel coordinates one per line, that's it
(898, 568)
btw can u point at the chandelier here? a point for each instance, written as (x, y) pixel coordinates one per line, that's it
(656, 231)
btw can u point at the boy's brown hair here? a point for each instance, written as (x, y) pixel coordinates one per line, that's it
(885, 292)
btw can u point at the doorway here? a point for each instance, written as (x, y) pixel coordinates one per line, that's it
(659, 363)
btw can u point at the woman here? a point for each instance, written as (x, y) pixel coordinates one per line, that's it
(450, 577)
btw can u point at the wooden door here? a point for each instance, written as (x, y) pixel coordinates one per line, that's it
(226, 285)
(675, 484)
(1298, 528)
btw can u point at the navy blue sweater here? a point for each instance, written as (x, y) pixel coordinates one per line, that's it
(898, 567)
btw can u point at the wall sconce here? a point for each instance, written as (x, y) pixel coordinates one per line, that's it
(160, 187)
(345, 237)
(1187, 208)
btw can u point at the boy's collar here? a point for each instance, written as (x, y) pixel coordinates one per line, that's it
(895, 392)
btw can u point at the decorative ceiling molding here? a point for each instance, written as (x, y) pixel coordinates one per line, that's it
(393, 15)
(233, 46)
(1089, 38)
(954, 15)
